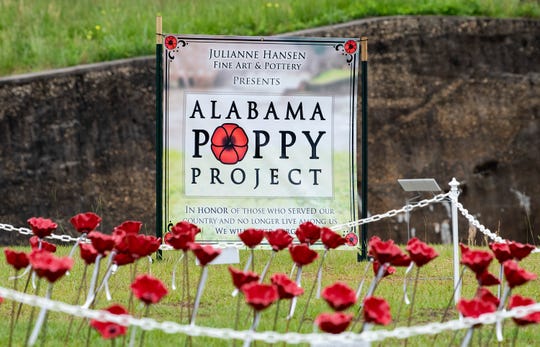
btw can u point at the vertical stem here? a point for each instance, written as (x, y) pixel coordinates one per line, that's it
(24, 291)
(40, 319)
(186, 284)
(79, 291)
(311, 292)
(265, 270)
(200, 289)
(256, 319)
(91, 291)
(468, 337)
(12, 316)
(144, 331)
(31, 317)
(293, 301)
(412, 300)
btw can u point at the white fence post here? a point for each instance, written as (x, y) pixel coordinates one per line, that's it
(454, 193)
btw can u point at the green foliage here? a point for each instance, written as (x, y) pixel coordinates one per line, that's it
(43, 34)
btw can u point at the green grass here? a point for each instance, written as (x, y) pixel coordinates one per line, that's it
(218, 307)
(43, 34)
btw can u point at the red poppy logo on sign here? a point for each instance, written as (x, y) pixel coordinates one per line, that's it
(229, 143)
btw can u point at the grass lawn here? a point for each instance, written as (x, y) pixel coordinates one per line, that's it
(218, 307)
(43, 34)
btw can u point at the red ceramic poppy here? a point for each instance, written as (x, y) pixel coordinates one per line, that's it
(42, 227)
(520, 250)
(331, 239)
(123, 259)
(475, 307)
(184, 227)
(377, 311)
(46, 246)
(476, 260)
(148, 289)
(241, 278)
(334, 323)
(47, 265)
(204, 254)
(302, 255)
(287, 288)
(386, 252)
(251, 237)
(260, 296)
(229, 143)
(420, 252)
(388, 270)
(516, 276)
(485, 294)
(501, 251)
(179, 241)
(109, 330)
(487, 279)
(137, 245)
(339, 296)
(517, 301)
(88, 253)
(19, 260)
(130, 227)
(85, 222)
(308, 233)
(102, 243)
(279, 239)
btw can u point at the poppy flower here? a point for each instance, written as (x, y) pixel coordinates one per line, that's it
(184, 227)
(476, 260)
(302, 255)
(204, 254)
(308, 232)
(251, 237)
(501, 251)
(260, 296)
(102, 243)
(123, 259)
(46, 246)
(46, 264)
(420, 252)
(110, 330)
(487, 279)
(331, 239)
(520, 250)
(130, 227)
(85, 222)
(387, 272)
(377, 311)
(386, 251)
(137, 245)
(278, 239)
(19, 260)
(241, 278)
(41, 227)
(229, 143)
(148, 289)
(181, 235)
(339, 296)
(516, 276)
(475, 307)
(485, 294)
(334, 323)
(287, 288)
(517, 301)
(88, 253)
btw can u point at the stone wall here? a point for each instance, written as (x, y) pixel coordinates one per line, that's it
(448, 97)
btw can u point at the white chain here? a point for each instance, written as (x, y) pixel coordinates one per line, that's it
(392, 213)
(26, 231)
(267, 336)
(473, 221)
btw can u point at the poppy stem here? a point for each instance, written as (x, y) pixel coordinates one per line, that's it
(40, 319)
(91, 295)
(256, 319)
(370, 291)
(175, 266)
(361, 284)
(12, 317)
(317, 281)
(32, 311)
(185, 290)
(293, 300)
(276, 316)
(265, 270)
(499, 323)
(412, 300)
(79, 291)
(200, 289)
(468, 337)
(144, 331)
(237, 316)
(79, 239)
